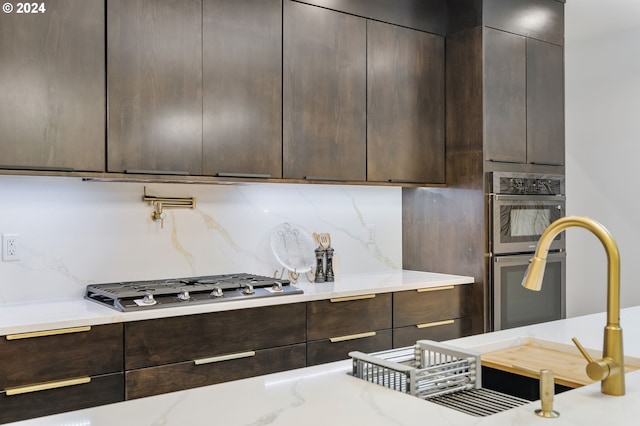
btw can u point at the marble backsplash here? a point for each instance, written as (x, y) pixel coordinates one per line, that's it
(72, 233)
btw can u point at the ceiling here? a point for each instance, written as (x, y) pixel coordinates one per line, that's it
(591, 18)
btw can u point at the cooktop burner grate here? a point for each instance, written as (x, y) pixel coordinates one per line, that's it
(138, 295)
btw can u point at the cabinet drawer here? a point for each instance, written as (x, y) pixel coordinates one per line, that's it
(345, 316)
(431, 304)
(178, 339)
(99, 391)
(60, 354)
(322, 351)
(186, 375)
(438, 331)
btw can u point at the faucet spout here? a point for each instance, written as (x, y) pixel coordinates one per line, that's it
(610, 369)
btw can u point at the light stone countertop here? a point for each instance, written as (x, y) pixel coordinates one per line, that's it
(327, 395)
(38, 316)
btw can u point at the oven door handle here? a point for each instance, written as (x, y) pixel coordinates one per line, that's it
(533, 197)
(525, 258)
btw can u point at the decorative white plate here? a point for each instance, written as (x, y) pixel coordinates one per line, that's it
(293, 247)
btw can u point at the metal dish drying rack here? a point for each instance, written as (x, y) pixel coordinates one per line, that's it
(441, 373)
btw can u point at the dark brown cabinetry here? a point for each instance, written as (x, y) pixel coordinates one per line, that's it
(505, 95)
(242, 88)
(52, 90)
(60, 370)
(438, 313)
(324, 94)
(524, 99)
(154, 60)
(337, 326)
(405, 105)
(204, 349)
(545, 103)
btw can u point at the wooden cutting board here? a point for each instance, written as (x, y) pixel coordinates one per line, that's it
(527, 360)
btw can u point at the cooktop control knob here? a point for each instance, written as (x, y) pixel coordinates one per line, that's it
(277, 287)
(248, 289)
(217, 292)
(148, 299)
(184, 296)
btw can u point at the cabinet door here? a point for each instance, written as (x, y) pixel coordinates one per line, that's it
(60, 355)
(505, 97)
(242, 79)
(52, 91)
(431, 305)
(337, 318)
(101, 390)
(187, 338)
(323, 351)
(186, 375)
(154, 78)
(443, 330)
(405, 105)
(324, 94)
(545, 103)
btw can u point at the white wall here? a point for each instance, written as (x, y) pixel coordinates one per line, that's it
(73, 233)
(602, 78)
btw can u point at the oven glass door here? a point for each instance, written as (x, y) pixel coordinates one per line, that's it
(518, 221)
(514, 305)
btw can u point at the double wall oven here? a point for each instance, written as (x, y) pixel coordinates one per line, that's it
(522, 206)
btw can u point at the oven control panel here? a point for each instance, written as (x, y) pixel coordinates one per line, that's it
(527, 184)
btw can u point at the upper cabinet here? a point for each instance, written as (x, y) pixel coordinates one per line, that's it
(538, 19)
(154, 59)
(324, 94)
(545, 103)
(52, 90)
(523, 99)
(363, 100)
(405, 105)
(242, 88)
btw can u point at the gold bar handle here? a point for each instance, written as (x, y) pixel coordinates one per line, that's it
(46, 386)
(227, 357)
(423, 290)
(352, 337)
(47, 333)
(350, 298)
(435, 324)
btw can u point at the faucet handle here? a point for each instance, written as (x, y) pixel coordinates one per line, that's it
(596, 369)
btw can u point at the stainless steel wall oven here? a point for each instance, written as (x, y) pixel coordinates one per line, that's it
(522, 206)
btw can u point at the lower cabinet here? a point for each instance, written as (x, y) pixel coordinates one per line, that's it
(99, 390)
(438, 331)
(338, 326)
(185, 375)
(59, 370)
(170, 354)
(62, 370)
(436, 313)
(335, 349)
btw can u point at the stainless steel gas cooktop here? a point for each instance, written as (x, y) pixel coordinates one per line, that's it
(153, 294)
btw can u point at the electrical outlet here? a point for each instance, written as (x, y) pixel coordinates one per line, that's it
(10, 247)
(372, 234)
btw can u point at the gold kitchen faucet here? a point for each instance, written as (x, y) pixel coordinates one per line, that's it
(609, 369)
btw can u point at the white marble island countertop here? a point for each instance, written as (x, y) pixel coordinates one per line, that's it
(327, 395)
(47, 315)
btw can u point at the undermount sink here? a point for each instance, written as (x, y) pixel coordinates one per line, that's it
(513, 366)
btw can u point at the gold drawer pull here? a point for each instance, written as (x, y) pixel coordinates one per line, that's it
(352, 337)
(422, 290)
(47, 333)
(435, 324)
(350, 298)
(227, 357)
(47, 386)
